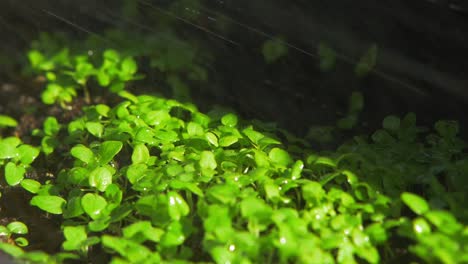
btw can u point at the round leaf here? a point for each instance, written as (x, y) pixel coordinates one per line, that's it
(207, 160)
(108, 150)
(93, 204)
(14, 174)
(421, 227)
(27, 154)
(49, 203)
(95, 128)
(82, 153)
(194, 129)
(280, 157)
(100, 178)
(8, 147)
(140, 154)
(229, 120)
(17, 227)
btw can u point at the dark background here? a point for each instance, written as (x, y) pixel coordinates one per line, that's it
(421, 67)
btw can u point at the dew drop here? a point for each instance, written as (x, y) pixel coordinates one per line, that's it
(283, 240)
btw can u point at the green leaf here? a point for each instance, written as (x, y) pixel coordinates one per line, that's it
(100, 178)
(103, 77)
(229, 120)
(31, 186)
(95, 128)
(102, 110)
(273, 49)
(212, 138)
(49, 203)
(447, 129)
(174, 235)
(73, 208)
(51, 93)
(356, 102)
(129, 67)
(445, 221)
(93, 204)
(51, 126)
(8, 147)
(35, 58)
(99, 224)
(195, 129)
(376, 233)
(222, 255)
(327, 57)
(14, 174)
(157, 117)
(177, 206)
(391, 123)
(83, 153)
(21, 241)
(17, 227)
(27, 154)
(280, 157)
(4, 232)
(117, 87)
(74, 237)
(297, 170)
(370, 254)
(132, 251)
(421, 227)
(367, 62)
(145, 135)
(111, 55)
(141, 231)
(416, 203)
(261, 159)
(108, 150)
(253, 135)
(167, 135)
(11, 250)
(207, 160)
(227, 141)
(313, 192)
(7, 121)
(135, 172)
(252, 207)
(140, 154)
(347, 122)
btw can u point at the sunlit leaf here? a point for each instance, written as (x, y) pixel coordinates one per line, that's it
(49, 203)
(93, 204)
(416, 203)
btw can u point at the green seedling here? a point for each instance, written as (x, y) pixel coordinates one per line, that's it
(327, 57)
(10, 232)
(16, 158)
(274, 49)
(367, 62)
(66, 74)
(154, 180)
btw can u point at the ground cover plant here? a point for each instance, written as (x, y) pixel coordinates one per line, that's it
(139, 178)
